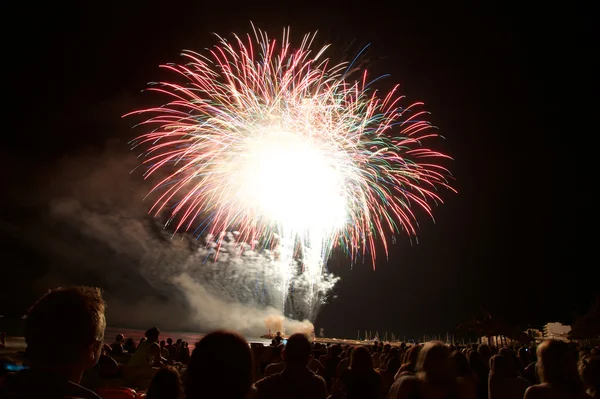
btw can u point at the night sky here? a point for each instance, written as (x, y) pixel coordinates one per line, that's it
(502, 83)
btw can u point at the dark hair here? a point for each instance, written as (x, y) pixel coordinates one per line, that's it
(393, 365)
(485, 351)
(503, 365)
(166, 384)
(298, 349)
(73, 316)
(152, 334)
(506, 352)
(221, 360)
(360, 360)
(478, 364)
(558, 367)
(350, 350)
(410, 358)
(336, 350)
(523, 354)
(434, 364)
(461, 364)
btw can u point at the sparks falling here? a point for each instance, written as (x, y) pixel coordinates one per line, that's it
(289, 150)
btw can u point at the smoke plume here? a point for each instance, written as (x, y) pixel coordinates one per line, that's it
(94, 229)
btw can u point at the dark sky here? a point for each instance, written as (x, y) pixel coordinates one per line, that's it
(501, 81)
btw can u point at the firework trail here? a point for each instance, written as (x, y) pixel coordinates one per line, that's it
(291, 152)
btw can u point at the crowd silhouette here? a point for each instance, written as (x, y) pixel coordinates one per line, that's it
(66, 358)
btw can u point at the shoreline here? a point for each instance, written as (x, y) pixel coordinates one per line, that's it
(14, 345)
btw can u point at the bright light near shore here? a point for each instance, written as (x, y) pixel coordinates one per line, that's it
(292, 182)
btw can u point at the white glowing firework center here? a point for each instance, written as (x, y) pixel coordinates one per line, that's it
(289, 182)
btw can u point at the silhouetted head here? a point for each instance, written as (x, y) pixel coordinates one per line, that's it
(120, 338)
(477, 363)
(434, 364)
(72, 318)
(557, 366)
(350, 351)
(166, 384)
(335, 350)
(393, 365)
(221, 361)
(503, 366)
(485, 351)
(461, 364)
(506, 352)
(297, 351)
(523, 354)
(152, 334)
(410, 358)
(361, 361)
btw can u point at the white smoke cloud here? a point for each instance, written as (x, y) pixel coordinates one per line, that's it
(95, 227)
(217, 312)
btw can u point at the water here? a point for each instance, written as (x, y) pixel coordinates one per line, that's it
(17, 344)
(190, 337)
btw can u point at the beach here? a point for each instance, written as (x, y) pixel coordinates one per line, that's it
(17, 344)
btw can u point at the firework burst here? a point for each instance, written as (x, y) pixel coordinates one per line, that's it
(277, 143)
